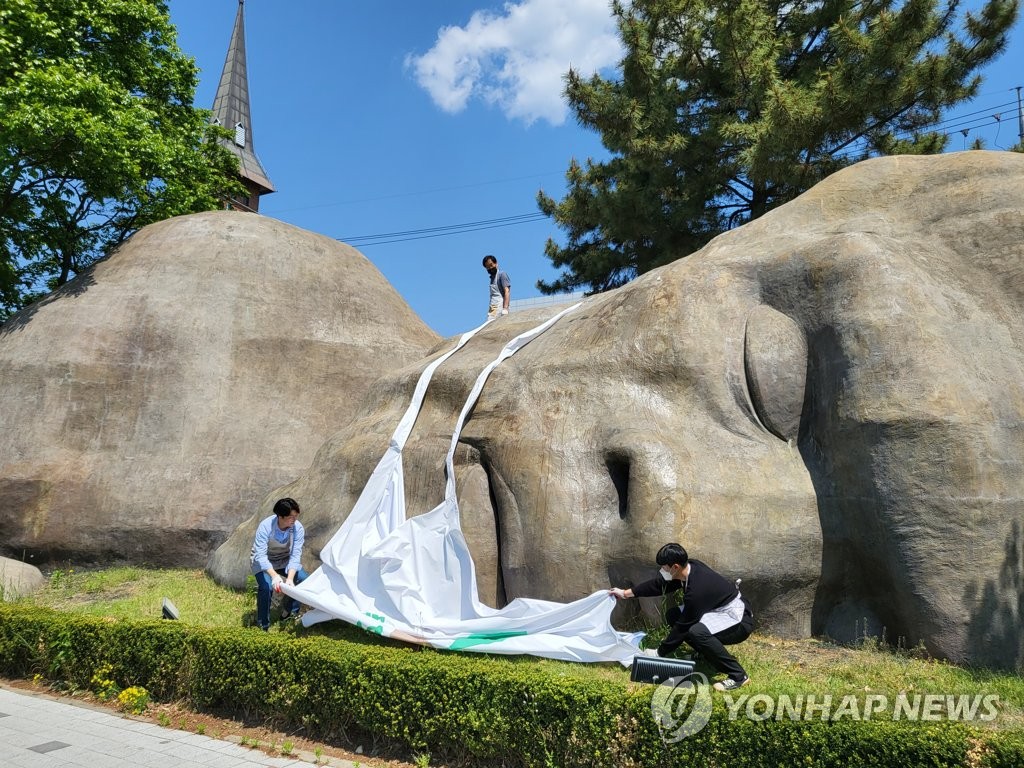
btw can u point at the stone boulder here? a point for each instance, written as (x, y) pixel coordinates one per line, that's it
(151, 403)
(827, 403)
(18, 579)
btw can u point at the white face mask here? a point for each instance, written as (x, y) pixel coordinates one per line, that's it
(666, 575)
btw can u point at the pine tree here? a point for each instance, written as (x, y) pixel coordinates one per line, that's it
(725, 109)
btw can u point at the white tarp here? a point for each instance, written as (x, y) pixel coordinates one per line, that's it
(413, 579)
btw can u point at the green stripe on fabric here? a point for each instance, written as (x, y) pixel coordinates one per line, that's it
(482, 638)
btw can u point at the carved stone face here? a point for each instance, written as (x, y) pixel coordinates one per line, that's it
(660, 412)
(827, 403)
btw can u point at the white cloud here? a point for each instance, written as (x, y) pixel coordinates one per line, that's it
(517, 61)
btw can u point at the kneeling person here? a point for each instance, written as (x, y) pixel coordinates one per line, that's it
(713, 614)
(277, 550)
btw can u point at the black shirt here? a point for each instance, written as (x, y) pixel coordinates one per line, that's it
(704, 591)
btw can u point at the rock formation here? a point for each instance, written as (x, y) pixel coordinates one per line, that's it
(18, 579)
(150, 404)
(827, 402)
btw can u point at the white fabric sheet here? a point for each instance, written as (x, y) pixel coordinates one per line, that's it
(413, 579)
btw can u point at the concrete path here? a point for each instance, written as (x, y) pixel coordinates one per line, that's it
(44, 731)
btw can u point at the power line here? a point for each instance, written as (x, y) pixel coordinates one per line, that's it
(955, 118)
(416, 193)
(948, 126)
(447, 226)
(442, 231)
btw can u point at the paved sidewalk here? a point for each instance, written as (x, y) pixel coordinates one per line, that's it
(43, 731)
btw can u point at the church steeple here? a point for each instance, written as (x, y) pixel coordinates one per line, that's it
(231, 109)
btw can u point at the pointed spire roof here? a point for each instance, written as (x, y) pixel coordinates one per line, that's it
(231, 107)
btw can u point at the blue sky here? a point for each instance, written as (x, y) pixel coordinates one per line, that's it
(375, 118)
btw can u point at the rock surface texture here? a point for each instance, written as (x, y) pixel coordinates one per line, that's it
(827, 403)
(18, 579)
(150, 404)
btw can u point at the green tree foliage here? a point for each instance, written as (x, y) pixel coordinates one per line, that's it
(725, 109)
(98, 136)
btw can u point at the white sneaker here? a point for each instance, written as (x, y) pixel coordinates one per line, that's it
(731, 683)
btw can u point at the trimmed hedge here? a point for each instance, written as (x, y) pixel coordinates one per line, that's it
(464, 706)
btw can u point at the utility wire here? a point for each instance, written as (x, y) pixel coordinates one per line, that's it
(449, 226)
(276, 211)
(948, 126)
(443, 231)
(416, 193)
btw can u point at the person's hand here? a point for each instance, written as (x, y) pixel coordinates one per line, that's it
(276, 583)
(504, 311)
(620, 594)
(290, 582)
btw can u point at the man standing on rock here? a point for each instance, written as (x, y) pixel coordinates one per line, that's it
(713, 614)
(277, 549)
(501, 288)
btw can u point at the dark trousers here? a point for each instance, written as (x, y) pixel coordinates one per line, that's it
(709, 646)
(263, 595)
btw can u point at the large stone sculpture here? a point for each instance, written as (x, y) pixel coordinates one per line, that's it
(149, 405)
(827, 403)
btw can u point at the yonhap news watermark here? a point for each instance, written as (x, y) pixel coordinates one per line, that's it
(918, 707)
(683, 708)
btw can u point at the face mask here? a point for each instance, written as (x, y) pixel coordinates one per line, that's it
(666, 575)
(492, 271)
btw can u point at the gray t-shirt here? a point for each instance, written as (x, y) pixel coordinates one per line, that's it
(499, 282)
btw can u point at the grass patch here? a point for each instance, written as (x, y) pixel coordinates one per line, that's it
(776, 666)
(137, 593)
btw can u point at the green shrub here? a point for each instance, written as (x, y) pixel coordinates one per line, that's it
(1005, 749)
(462, 707)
